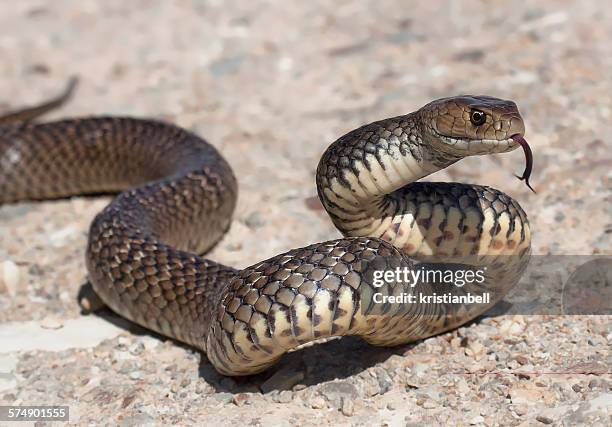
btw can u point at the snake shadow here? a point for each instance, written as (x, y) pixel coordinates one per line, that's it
(337, 358)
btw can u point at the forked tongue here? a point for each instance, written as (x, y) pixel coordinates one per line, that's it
(528, 159)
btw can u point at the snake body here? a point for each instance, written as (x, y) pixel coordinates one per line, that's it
(176, 198)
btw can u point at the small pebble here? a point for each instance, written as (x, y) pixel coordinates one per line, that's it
(9, 277)
(51, 322)
(285, 396)
(317, 402)
(348, 407)
(223, 397)
(544, 420)
(136, 375)
(233, 247)
(255, 220)
(521, 359)
(385, 382)
(202, 387)
(429, 404)
(136, 348)
(520, 409)
(475, 349)
(240, 399)
(478, 419)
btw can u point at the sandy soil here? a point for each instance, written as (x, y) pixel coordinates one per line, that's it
(271, 84)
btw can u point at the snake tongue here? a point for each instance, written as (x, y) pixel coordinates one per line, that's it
(528, 158)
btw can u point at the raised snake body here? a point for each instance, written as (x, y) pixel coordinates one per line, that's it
(178, 194)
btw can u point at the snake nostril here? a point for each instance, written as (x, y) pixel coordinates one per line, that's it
(516, 126)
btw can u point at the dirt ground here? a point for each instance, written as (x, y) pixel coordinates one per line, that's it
(271, 84)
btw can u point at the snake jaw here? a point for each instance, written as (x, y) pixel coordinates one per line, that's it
(465, 147)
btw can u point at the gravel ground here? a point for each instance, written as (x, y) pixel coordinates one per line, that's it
(271, 84)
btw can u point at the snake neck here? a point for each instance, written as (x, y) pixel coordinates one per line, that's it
(366, 182)
(363, 176)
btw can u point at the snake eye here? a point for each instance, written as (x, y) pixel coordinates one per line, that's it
(477, 117)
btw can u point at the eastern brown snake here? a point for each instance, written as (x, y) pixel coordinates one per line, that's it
(176, 198)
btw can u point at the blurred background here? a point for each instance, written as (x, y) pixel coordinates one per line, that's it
(272, 84)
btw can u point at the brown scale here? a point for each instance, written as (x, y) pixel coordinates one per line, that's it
(177, 195)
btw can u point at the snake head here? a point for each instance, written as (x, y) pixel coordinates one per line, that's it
(469, 125)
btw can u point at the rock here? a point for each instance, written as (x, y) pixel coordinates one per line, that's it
(317, 402)
(519, 395)
(599, 383)
(122, 344)
(510, 327)
(544, 420)
(335, 391)
(521, 359)
(240, 399)
(234, 246)
(520, 409)
(10, 277)
(284, 396)
(128, 399)
(136, 375)
(384, 381)
(475, 349)
(283, 379)
(348, 407)
(223, 397)
(430, 392)
(141, 419)
(255, 220)
(51, 322)
(35, 270)
(478, 419)
(419, 369)
(202, 387)
(136, 348)
(551, 415)
(429, 404)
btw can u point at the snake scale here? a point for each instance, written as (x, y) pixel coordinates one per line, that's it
(177, 195)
